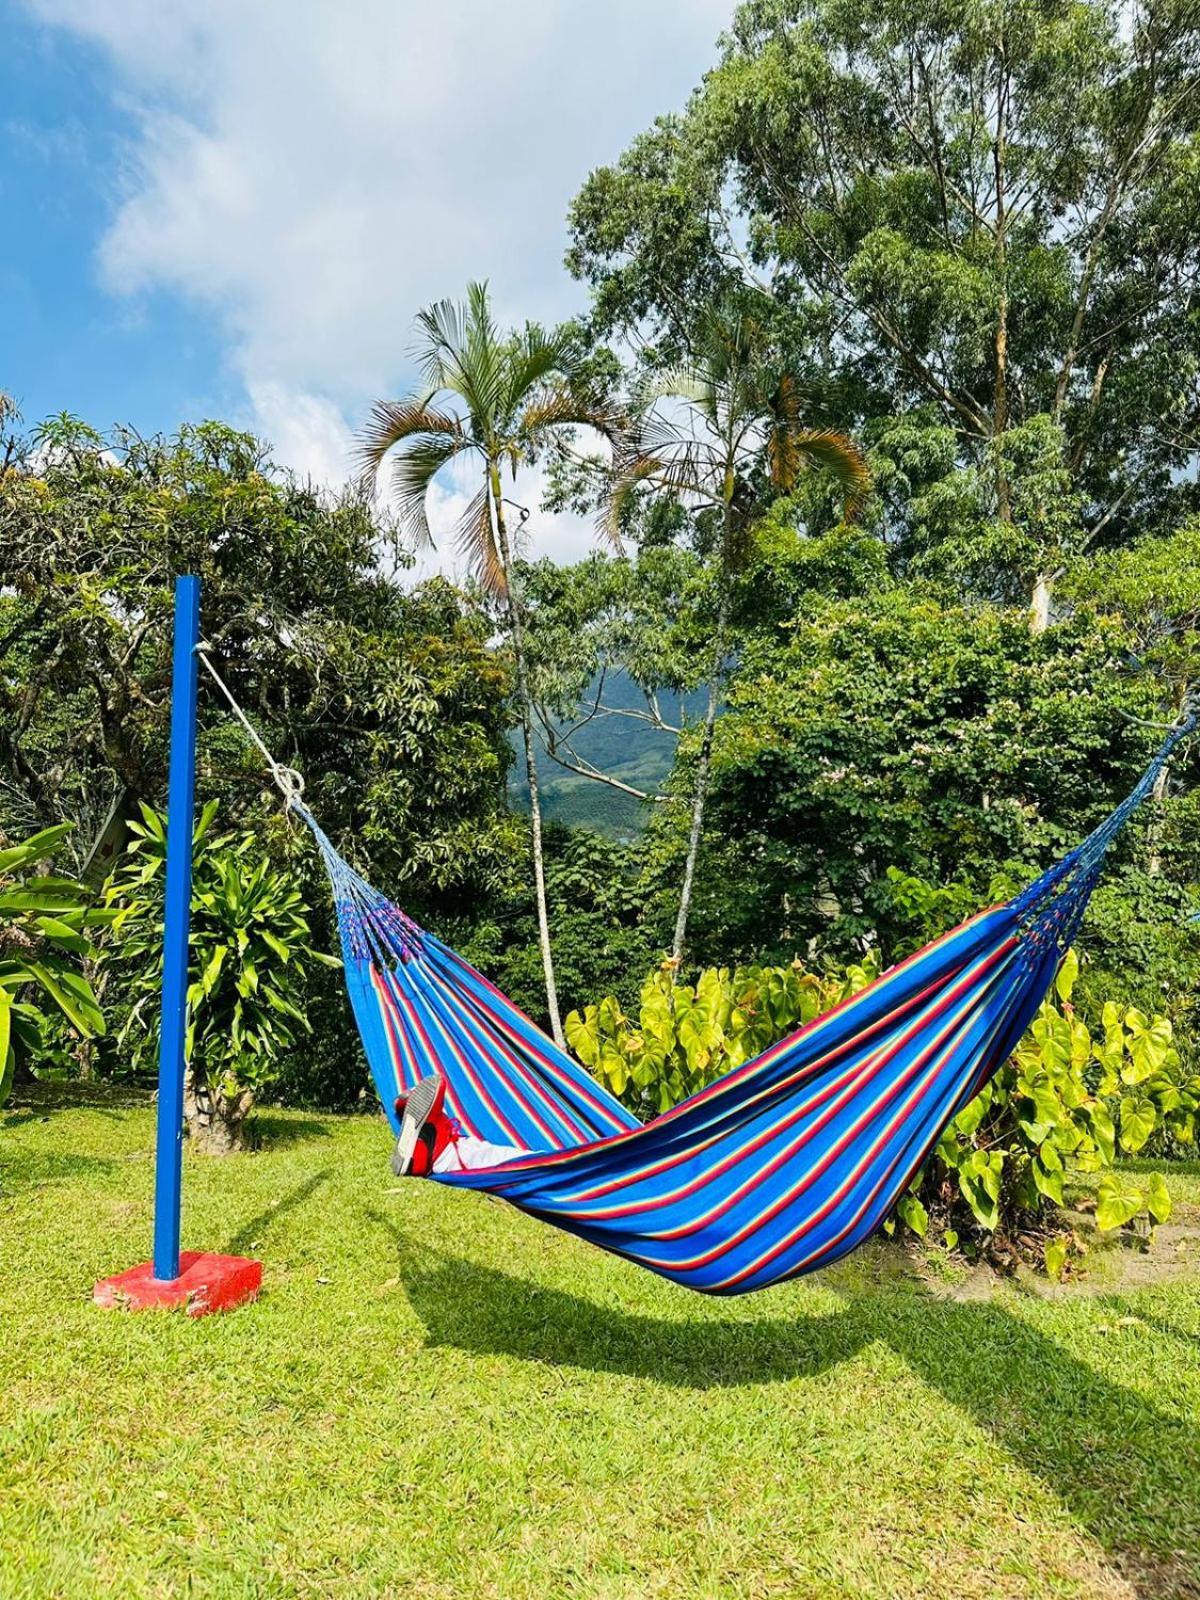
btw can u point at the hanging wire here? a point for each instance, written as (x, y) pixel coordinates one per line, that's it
(287, 780)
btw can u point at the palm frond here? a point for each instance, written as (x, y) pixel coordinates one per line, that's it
(462, 351)
(837, 454)
(415, 467)
(534, 357)
(555, 405)
(679, 382)
(476, 539)
(393, 421)
(625, 479)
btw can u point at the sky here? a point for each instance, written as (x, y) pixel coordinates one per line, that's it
(234, 208)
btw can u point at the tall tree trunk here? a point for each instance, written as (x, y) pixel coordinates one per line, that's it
(525, 706)
(700, 792)
(1158, 794)
(1039, 605)
(703, 763)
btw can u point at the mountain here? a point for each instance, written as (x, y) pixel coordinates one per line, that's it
(625, 747)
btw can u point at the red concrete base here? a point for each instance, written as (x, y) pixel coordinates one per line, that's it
(205, 1283)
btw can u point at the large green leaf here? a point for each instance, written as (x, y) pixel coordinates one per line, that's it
(49, 895)
(1138, 1118)
(36, 848)
(1116, 1202)
(72, 995)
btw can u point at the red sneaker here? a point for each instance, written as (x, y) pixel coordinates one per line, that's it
(425, 1129)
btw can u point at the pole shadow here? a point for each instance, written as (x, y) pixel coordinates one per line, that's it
(252, 1231)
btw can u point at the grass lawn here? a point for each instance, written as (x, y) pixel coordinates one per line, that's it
(437, 1397)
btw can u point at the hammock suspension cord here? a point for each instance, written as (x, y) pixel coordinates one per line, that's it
(287, 780)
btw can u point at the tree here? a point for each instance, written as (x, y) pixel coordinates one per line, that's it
(349, 676)
(979, 224)
(612, 641)
(738, 435)
(45, 927)
(889, 761)
(495, 398)
(249, 965)
(392, 703)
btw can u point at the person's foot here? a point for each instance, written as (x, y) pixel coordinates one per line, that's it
(420, 1124)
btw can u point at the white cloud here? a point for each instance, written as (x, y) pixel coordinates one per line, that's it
(313, 173)
(308, 432)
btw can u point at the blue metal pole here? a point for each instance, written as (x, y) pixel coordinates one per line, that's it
(168, 1174)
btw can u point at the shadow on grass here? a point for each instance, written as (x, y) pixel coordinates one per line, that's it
(37, 1101)
(252, 1231)
(1128, 1473)
(266, 1131)
(24, 1169)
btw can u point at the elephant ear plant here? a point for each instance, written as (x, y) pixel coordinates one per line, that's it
(249, 965)
(44, 923)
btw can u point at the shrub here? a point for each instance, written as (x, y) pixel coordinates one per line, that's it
(43, 943)
(1065, 1104)
(688, 1035)
(249, 966)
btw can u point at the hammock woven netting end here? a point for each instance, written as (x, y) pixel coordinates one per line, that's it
(780, 1167)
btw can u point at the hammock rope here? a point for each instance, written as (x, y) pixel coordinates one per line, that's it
(781, 1166)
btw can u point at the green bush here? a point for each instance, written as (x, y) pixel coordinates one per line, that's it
(248, 974)
(688, 1035)
(1065, 1104)
(44, 922)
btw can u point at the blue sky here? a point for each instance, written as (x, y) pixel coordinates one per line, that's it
(70, 342)
(234, 207)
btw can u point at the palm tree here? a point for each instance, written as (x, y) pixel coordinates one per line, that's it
(496, 398)
(734, 415)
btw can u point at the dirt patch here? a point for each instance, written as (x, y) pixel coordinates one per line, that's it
(1113, 1264)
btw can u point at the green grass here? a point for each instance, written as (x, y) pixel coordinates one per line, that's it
(437, 1397)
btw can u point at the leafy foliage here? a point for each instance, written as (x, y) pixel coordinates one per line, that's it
(1068, 1102)
(1065, 1104)
(45, 922)
(389, 702)
(889, 761)
(685, 1036)
(597, 904)
(249, 964)
(978, 231)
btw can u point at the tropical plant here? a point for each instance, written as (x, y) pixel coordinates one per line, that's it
(249, 963)
(44, 923)
(725, 433)
(390, 698)
(686, 1035)
(496, 399)
(1062, 1109)
(878, 739)
(1067, 1103)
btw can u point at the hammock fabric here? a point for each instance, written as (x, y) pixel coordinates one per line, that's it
(783, 1165)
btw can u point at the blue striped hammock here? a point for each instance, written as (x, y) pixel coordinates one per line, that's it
(780, 1167)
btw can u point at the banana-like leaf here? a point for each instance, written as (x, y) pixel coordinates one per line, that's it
(36, 848)
(73, 997)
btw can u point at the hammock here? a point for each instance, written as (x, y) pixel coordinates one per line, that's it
(780, 1167)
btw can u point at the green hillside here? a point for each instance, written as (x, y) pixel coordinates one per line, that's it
(624, 747)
